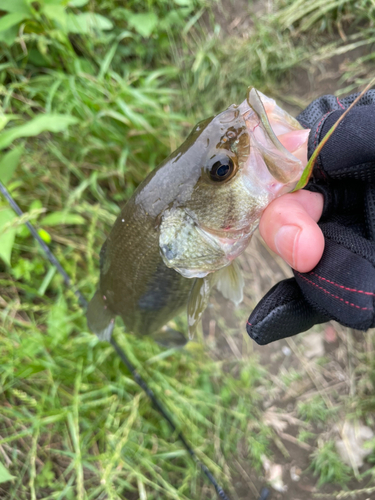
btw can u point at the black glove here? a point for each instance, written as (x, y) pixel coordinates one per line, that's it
(342, 285)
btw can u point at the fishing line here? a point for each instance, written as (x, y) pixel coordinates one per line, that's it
(138, 379)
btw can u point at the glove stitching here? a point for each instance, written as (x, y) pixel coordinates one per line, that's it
(304, 123)
(332, 295)
(342, 286)
(339, 103)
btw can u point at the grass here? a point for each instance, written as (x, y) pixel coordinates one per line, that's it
(314, 410)
(73, 424)
(74, 412)
(328, 466)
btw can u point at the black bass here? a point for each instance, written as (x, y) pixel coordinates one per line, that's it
(187, 222)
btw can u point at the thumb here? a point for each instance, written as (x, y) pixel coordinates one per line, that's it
(296, 143)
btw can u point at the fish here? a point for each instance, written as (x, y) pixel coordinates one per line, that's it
(184, 227)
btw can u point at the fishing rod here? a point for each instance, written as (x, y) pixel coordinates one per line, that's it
(125, 360)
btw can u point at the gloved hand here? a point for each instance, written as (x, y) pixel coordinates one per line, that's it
(342, 285)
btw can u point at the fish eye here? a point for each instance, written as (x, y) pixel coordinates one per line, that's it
(221, 170)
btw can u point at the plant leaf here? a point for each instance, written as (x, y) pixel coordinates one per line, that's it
(57, 14)
(107, 60)
(19, 6)
(46, 237)
(9, 163)
(58, 323)
(144, 24)
(8, 36)
(4, 474)
(78, 3)
(47, 122)
(7, 238)
(86, 22)
(4, 119)
(136, 118)
(10, 20)
(57, 218)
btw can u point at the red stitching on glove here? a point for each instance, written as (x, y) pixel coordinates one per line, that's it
(339, 103)
(342, 286)
(334, 296)
(248, 323)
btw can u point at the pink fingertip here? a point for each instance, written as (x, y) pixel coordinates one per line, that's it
(309, 249)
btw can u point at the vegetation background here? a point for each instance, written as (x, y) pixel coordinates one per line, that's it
(94, 93)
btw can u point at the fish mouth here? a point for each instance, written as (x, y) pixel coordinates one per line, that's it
(276, 168)
(231, 242)
(232, 235)
(225, 236)
(266, 108)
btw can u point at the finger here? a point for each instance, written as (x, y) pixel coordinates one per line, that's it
(296, 143)
(289, 227)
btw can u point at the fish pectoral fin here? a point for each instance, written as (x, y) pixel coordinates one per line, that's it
(168, 337)
(230, 282)
(198, 300)
(100, 319)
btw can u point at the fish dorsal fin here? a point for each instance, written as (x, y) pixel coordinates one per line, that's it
(198, 300)
(230, 282)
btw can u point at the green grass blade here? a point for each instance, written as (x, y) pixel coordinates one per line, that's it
(306, 174)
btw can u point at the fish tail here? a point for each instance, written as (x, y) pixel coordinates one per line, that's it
(100, 318)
